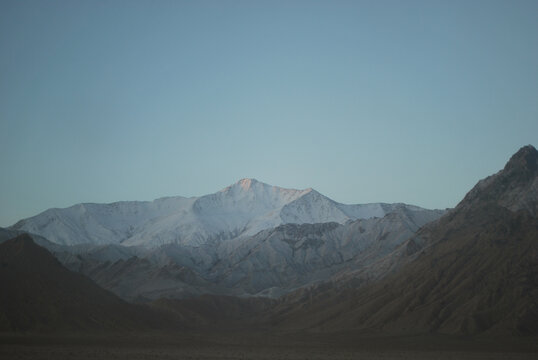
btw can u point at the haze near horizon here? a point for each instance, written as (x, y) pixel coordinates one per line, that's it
(363, 101)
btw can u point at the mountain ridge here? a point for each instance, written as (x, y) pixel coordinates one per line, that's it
(474, 271)
(241, 209)
(514, 187)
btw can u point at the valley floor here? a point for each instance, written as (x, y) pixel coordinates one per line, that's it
(258, 346)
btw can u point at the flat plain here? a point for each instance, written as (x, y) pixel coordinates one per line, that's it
(138, 346)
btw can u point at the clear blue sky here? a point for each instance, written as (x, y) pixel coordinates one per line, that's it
(365, 101)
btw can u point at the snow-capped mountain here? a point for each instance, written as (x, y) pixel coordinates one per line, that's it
(242, 209)
(273, 262)
(250, 238)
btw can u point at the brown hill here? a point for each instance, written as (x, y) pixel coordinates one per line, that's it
(476, 270)
(38, 294)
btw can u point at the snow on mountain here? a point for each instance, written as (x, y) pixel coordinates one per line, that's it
(100, 223)
(242, 209)
(273, 262)
(291, 255)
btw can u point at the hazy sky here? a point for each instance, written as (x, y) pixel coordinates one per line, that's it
(365, 101)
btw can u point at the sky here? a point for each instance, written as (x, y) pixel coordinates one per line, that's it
(364, 101)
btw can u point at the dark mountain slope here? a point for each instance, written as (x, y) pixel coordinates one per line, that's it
(37, 294)
(139, 280)
(515, 187)
(476, 270)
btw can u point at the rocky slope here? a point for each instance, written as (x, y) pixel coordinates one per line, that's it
(475, 271)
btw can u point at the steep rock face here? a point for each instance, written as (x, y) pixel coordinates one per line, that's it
(242, 209)
(515, 187)
(476, 270)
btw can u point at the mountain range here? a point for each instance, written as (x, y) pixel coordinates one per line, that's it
(362, 269)
(242, 209)
(247, 239)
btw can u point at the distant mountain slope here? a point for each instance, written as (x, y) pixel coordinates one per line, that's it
(242, 209)
(476, 272)
(273, 262)
(100, 223)
(138, 279)
(38, 294)
(289, 256)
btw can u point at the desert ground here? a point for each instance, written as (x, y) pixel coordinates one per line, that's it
(259, 346)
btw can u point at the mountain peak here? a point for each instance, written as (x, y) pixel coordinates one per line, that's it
(247, 183)
(244, 184)
(515, 187)
(23, 239)
(21, 243)
(526, 159)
